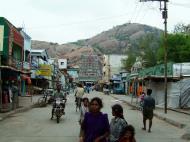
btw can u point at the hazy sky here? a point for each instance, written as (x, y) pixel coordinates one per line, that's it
(65, 21)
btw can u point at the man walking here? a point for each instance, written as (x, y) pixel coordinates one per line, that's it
(148, 107)
(79, 94)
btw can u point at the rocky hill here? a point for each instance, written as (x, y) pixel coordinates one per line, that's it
(120, 38)
(117, 40)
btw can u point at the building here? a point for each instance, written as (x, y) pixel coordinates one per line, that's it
(62, 63)
(106, 69)
(115, 63)
(41, 69)
(73, 72)
(11, 65)
(90, 69)
(57, 76)
(178, 82)
(25, 78)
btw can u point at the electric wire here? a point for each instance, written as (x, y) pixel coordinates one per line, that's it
(140, 13)
(134, 18)
(80, 22)
(149, 9)
(143, 15)
(135, 9)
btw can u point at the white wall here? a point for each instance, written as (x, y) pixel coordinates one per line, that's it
(115, 63)
(173, 93)
(181, 69)
(62, 63)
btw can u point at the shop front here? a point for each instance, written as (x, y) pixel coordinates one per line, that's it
(11, 89)
(26, 85)
(11, 64)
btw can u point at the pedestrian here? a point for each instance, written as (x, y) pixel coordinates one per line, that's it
(128, 135)
(88, 89)
(142, 97)
(118, 123)
(141, 101)
(15, 92)
(79, 94)
(95, 126)
(148, 107)
(79, 91)
(83, 110)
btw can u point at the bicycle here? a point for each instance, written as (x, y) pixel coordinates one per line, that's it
(140, 106)
(42, 101)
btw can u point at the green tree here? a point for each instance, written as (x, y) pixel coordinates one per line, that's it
(178, 48)
(182, 28)
(149, 47)
(128, 62)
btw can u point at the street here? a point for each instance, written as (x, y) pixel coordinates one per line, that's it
(35, 125)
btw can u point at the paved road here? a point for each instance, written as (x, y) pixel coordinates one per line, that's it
(35, 125)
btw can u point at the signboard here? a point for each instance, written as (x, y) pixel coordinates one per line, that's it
(62, 63)
(1, 37)
(44, 70)
(18, 39)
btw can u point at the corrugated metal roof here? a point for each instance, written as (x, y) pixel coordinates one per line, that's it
(157, 70)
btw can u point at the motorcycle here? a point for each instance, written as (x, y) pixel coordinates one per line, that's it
(59, 106)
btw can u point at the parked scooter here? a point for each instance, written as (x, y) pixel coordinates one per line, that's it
(59, 106)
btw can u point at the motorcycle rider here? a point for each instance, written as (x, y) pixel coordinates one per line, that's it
(58, 94)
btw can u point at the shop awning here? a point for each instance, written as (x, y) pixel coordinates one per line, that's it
(13, 69)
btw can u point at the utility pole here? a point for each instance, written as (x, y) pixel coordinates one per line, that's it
(1, 103)
(109, 69)
(164, 16)
(1, 50)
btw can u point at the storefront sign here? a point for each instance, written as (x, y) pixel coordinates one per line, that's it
(45, 70)
(18, 39)
(1, 37)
